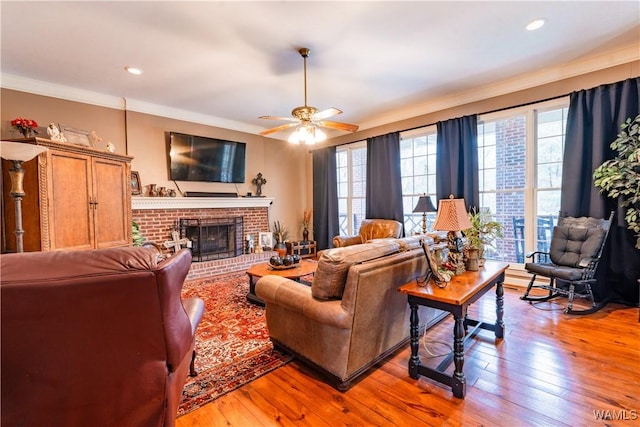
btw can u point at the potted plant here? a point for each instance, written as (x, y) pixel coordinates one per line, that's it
(620, 176)
(484, 230)
(138, 238)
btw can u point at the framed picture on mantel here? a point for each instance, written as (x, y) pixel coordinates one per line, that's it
(136, 188)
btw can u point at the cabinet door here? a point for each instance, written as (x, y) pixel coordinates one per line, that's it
(69, 195)
(112, 203)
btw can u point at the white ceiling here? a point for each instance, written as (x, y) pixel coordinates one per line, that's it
(226, 63)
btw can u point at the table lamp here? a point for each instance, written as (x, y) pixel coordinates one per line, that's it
(18, 152)
(453, 217)
(424, 205)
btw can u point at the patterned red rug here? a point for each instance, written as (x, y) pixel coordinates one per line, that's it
(232, 341)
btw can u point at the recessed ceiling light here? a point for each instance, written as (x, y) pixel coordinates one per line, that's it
(133, 70)
(535, 24)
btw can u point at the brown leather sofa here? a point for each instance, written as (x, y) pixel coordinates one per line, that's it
(95, 338)
(352, 316)
(370, 229)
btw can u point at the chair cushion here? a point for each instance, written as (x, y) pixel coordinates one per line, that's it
(556, 271)
(569, 245)
(333, 266)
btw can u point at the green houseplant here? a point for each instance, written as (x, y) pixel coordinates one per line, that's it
(138, 238)
(484, 230)
(620, 176)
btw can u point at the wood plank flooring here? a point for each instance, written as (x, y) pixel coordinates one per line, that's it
(551, 369)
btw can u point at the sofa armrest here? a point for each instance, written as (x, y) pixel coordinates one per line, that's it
(294, 296)
(341, 241)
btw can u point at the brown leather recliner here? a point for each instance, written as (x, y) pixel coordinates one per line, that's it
(371, 229)
(99, 337)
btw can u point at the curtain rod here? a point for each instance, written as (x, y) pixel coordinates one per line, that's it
(479, 114)
(498, 109)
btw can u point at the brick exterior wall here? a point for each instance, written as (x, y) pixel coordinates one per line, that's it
(156, 226)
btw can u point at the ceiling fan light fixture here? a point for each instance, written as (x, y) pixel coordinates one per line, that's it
(307, 119)
(308, 134)
(319, 135)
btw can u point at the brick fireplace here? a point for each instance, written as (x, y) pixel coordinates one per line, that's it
(157, 217)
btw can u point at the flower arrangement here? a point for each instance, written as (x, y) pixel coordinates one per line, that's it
(24, 126)
(279, 232)
(306, 218)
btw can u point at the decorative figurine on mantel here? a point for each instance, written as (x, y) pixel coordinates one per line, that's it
(54, 133)
(259, 181)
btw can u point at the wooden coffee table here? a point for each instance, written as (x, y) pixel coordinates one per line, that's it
(257, 271)
(462, 291)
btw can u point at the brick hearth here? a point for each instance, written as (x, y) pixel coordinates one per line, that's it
(157, 217)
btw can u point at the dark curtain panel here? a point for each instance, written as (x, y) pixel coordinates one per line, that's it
(325, 197)
(593, 122)
(457, 160)
(384, 186)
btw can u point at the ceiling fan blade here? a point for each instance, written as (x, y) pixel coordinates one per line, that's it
(336, 125)
(287, 119)
(279, 128)
(325, 114)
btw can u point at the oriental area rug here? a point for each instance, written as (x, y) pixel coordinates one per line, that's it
(232, 340)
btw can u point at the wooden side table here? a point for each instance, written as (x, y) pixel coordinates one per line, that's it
(306, 249)
(456, 297)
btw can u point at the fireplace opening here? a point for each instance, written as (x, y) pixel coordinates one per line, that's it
(213, 238)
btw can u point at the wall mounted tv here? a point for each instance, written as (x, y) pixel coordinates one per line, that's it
(198, 158)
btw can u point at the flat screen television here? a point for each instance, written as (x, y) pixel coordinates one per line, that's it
(198, 158)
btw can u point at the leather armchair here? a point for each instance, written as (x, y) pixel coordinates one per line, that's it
(99, 337)
(370, 229)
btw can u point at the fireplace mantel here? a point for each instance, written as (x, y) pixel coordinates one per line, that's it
(144, 203)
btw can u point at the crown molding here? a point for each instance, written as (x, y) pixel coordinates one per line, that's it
(575, 68)
(39, 87)
(188, 116)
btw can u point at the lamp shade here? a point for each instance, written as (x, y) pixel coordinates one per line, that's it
(452, 216)
(19, 151)
(424, 205)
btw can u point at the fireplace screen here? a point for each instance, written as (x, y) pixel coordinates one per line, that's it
(213, 238)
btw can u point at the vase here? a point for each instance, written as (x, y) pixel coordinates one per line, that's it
(281, 248)
(305, 235)
(26, 133)
(153, 191)
(472, 263)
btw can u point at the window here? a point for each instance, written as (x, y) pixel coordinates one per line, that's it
(351, 163)
(520, 155)
(520, 172)
(418, 172)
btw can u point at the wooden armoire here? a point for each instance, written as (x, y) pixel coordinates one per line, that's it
(76, 198)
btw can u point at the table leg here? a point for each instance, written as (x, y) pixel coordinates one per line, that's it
(499, 329)
(459, 383)
(251, 296)
(414, 330)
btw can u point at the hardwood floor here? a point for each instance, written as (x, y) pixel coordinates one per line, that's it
(551, 369)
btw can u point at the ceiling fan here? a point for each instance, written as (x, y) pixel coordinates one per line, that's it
(308, 119)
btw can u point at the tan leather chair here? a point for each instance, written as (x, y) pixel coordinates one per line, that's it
(95, 338)
(370, 229)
